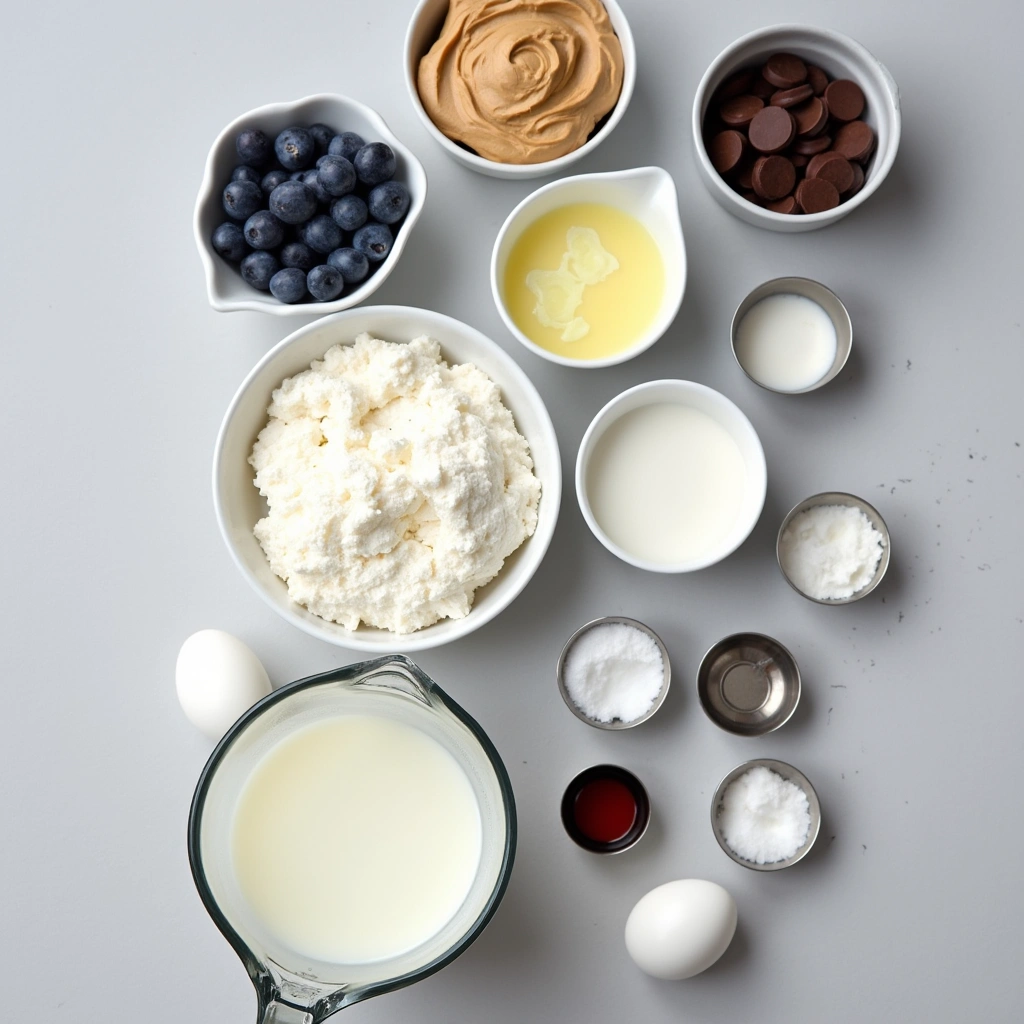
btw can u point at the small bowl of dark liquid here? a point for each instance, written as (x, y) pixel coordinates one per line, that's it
(605, 809)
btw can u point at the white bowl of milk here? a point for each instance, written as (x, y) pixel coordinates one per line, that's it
(671, 476)
(352, 833)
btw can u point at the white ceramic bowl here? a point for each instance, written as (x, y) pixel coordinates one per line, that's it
(723, 412)
(224, 285)
(424, 28)
(646, 193)
(238, 503)
(840, 57)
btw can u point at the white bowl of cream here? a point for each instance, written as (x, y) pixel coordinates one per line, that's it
(671, 476)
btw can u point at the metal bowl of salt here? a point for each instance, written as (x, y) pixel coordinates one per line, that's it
(748, 684)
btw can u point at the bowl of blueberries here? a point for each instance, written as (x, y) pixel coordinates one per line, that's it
(305, 204)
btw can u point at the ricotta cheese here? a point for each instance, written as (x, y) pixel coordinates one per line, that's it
(396, 485)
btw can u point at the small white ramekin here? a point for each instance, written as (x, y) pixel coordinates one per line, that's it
(646, 193)
(726, 414)
(424, 28)
(224, 285)
(840, 57)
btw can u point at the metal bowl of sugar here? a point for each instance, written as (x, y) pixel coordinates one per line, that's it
(847, 501)
(613, 675)
(788, 774)
(748, 684)
(791, 335)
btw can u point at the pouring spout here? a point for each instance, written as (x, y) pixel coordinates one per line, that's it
(281, 1013)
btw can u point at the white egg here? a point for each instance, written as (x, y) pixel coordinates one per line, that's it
(217, 678)
(681, 928)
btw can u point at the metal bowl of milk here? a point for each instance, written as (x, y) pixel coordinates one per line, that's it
(671, 476)
(352, 833)
(791, 335)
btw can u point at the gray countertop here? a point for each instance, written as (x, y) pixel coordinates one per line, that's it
(116, 373)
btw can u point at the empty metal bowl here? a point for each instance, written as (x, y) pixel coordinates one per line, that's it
(816, 292)
(838, 498)
(788, 772)
(615, 723)
(748, 684)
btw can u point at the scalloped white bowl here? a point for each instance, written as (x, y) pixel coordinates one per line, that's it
(238, 503)
(224, 285)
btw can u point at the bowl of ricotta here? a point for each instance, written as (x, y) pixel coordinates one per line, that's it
(387, 477)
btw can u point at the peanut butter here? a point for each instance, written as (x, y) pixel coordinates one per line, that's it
(522, 81)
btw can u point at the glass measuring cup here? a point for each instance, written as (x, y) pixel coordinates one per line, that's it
(292, 988)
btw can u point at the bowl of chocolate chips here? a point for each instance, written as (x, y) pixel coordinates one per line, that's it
(795, 127)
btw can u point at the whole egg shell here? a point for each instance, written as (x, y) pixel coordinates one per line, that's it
(218, 679)
(681, 928)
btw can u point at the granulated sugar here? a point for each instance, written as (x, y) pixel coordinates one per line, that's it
(614, 670)
(764, 817)
(830, 552)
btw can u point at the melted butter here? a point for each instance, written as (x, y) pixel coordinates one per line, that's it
(584, 281)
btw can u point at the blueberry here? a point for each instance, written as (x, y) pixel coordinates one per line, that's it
(354, 266)
(263, 230)
(242, 199)
(325, 282)
(293, 202)
(253, 147)
(258, 268)
(298, 254)
(337, 175)
(312, 179)
(388, 202)
(243, 172)
(321, 159)
(347, 144)
(349, 212)
(322, 135)
(294, 148)
(296, 175)
(272, 179)
(289, 285)
(321, 234)
(373, 241)
(374, 163)
(229, 242)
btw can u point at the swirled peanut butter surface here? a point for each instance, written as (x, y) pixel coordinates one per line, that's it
(522, 81)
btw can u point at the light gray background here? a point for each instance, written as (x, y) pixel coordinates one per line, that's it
(115, 377)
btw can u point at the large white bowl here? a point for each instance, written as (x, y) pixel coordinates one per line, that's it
(424, 28)
(224, 285)
(646, 193)
(722, 411)
(841, 57)
(238, 503)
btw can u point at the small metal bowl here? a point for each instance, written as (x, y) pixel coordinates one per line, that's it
(788, 772)
(614, 773)
(615, 723)
(838, 498)
(748, 684)
(824, 297)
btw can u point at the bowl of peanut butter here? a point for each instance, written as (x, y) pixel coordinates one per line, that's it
(519, 88)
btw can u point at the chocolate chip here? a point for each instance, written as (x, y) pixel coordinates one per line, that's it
(736, 85)
(808, 147)
(817, 78)
(786, 205)
(816, 195)
(725, 150)
(771, 129)
(774, 177)
(798, 160)
(785, 70)
(845, 100)
(858, 180)
(744, 176)
(761, 88)
(811, 117)
(834, 168)
(739, 111)
(791, 97)
(855, 141)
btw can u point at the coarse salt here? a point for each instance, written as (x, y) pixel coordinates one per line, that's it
(764, 817)
(830, 552)
(614, 670)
